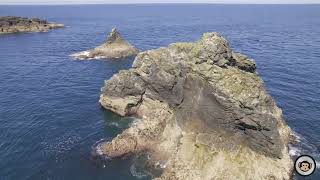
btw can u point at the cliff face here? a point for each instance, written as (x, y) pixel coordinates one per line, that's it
(114, 47)
(12, 24)
(204, 113)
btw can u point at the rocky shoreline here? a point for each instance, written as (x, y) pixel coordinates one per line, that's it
(13, 24)
(115, 47)
(203, 111)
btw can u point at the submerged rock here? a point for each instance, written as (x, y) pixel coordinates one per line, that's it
(203, 110)
(13, 24)
(114, 47)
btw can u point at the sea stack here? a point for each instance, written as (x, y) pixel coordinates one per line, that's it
(203, 113)
(13, 24)
(115, 47)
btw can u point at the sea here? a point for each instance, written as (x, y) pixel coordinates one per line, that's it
(50, 117)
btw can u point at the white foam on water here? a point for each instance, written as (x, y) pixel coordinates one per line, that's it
(82, 54)
(99, 150)
(135, 173)
(114, 124)
(97, 147)
(98, 57)
(302, 146)
(135, 122)
(294, 151)
(297, 136)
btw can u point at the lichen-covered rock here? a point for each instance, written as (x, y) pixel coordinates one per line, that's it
(13, 24)
(202, 107)
(115, 47)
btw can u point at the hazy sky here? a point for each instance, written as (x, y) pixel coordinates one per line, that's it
(156, 1)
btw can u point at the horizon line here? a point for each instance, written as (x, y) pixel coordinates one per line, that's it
(155, 3)
(99, 2)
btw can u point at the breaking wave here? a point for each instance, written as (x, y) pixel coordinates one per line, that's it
(84, 55)
(302, 146)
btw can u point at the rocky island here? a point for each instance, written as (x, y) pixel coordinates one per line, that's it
(115, 47)
(13, 24)
(202, 113)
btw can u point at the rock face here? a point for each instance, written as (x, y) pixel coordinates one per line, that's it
(114, 47)
(203, 111)
(12, 24)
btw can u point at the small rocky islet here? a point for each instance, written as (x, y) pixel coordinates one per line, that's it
(115, 47)
(202, 112)
(14, 24)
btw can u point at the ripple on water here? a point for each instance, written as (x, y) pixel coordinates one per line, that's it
(60, 144)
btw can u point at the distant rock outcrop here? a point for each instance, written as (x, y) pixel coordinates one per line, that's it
(13, 24)
(114, 47)
(204, 114)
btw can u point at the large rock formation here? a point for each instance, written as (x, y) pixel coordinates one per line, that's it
(13, 24)
(203, 112)
(114, 47)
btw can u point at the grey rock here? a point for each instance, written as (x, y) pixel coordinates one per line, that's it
(203, 98)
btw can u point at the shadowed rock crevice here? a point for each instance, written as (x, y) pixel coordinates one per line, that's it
(202, 107)
(204, 112)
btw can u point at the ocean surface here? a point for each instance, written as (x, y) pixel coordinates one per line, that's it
(50, 118)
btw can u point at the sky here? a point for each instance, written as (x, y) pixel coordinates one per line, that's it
(158, 1)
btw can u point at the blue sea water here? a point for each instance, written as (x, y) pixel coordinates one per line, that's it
(50, 117)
